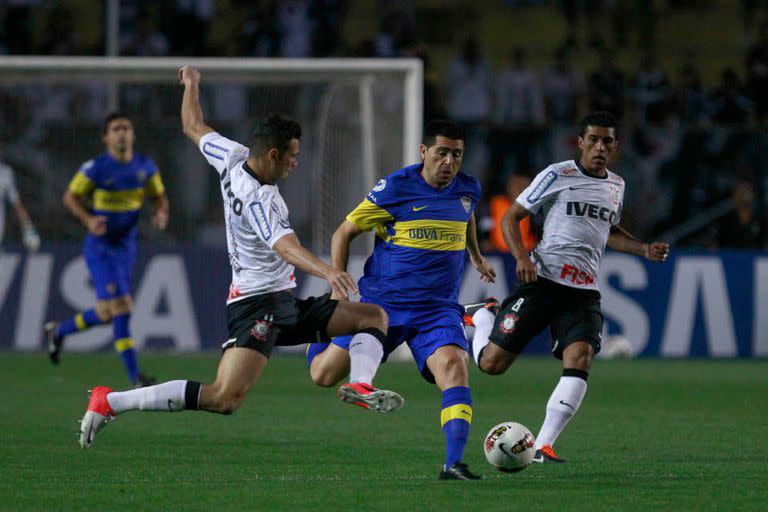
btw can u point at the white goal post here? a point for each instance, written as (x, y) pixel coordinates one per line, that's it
(347, 107)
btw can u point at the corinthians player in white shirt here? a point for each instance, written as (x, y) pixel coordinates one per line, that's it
(261, 312)
(581, 202)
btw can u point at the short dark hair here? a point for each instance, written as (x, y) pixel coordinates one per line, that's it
(112, 116)
(274, 131)
(599, 118)
(442, 127)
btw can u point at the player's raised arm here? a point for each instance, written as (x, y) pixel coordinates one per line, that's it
(290, 248)
(487, 272)
(191, 113)
(622, 240)
(340, 241)
(510, 229)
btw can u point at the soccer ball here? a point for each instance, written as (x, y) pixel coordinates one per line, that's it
(509, 447)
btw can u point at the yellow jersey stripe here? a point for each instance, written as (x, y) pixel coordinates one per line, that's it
(118, 200)
(81, 184)
(435, 235)
(123, 344)
(456, 412)
(154, 186)
(80, 322)
(367, 216)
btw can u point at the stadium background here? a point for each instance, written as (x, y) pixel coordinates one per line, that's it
(687, 80)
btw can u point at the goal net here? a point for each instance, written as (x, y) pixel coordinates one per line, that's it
(361, 119)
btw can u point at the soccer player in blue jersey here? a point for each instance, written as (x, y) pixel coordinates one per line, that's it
(106, 195)
(423, 217)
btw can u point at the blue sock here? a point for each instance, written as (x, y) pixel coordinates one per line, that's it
(456, 418)
(124, 345)
(313, 349)
(79, 322)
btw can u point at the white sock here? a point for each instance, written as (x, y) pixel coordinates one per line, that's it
(168, 396)
(483, 320)
(562, 406)
(365, 353)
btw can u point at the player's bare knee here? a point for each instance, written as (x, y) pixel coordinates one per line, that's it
(104, 312)
(323, 378)
(494, 364)
(377, 318)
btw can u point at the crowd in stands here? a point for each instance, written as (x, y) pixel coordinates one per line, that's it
(687, 146)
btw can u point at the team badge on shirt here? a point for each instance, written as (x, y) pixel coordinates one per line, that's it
(614, 197)
(466, 202)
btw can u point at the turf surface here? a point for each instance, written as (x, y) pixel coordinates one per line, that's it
(651, 435)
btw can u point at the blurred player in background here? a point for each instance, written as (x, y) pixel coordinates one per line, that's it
(581, 202)
(424, 220)
(106, 195)
(9, 193)
(263, 252)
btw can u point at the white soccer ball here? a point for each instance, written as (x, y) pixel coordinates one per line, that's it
(617, 347)
(509, 447)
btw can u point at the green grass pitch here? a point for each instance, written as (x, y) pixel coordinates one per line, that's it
(651, 435)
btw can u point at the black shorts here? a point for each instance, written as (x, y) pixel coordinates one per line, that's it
(274, 319)
(571, 314)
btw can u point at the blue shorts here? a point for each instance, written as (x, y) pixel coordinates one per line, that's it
(424, 329)
(111, 267)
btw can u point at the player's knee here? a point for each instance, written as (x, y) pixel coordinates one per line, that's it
(323, 378)
(104, 312)
(377, 319)
(120, 306)
(493, 365)
(455, 367)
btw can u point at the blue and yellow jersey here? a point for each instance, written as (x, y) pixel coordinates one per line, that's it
(116, 190)
(421, 237)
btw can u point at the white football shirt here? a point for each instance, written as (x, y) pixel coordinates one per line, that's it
(256, 217)
(8, 193)
(579, 211)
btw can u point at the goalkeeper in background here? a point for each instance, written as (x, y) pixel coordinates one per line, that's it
(9, 193)
(106, 195)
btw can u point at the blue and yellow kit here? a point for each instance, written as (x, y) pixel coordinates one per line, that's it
(417, 264)
(115, 190)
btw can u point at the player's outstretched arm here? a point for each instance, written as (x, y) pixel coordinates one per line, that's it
(191, 113)
(510, 229)
(340, 241)
(297, 255)
(622, 240)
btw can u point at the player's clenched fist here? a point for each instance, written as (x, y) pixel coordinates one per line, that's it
(657, 251)
(188, 75)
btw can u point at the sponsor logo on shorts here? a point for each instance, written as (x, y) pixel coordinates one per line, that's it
(508, 324)
(542, 187)
(260, 330)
